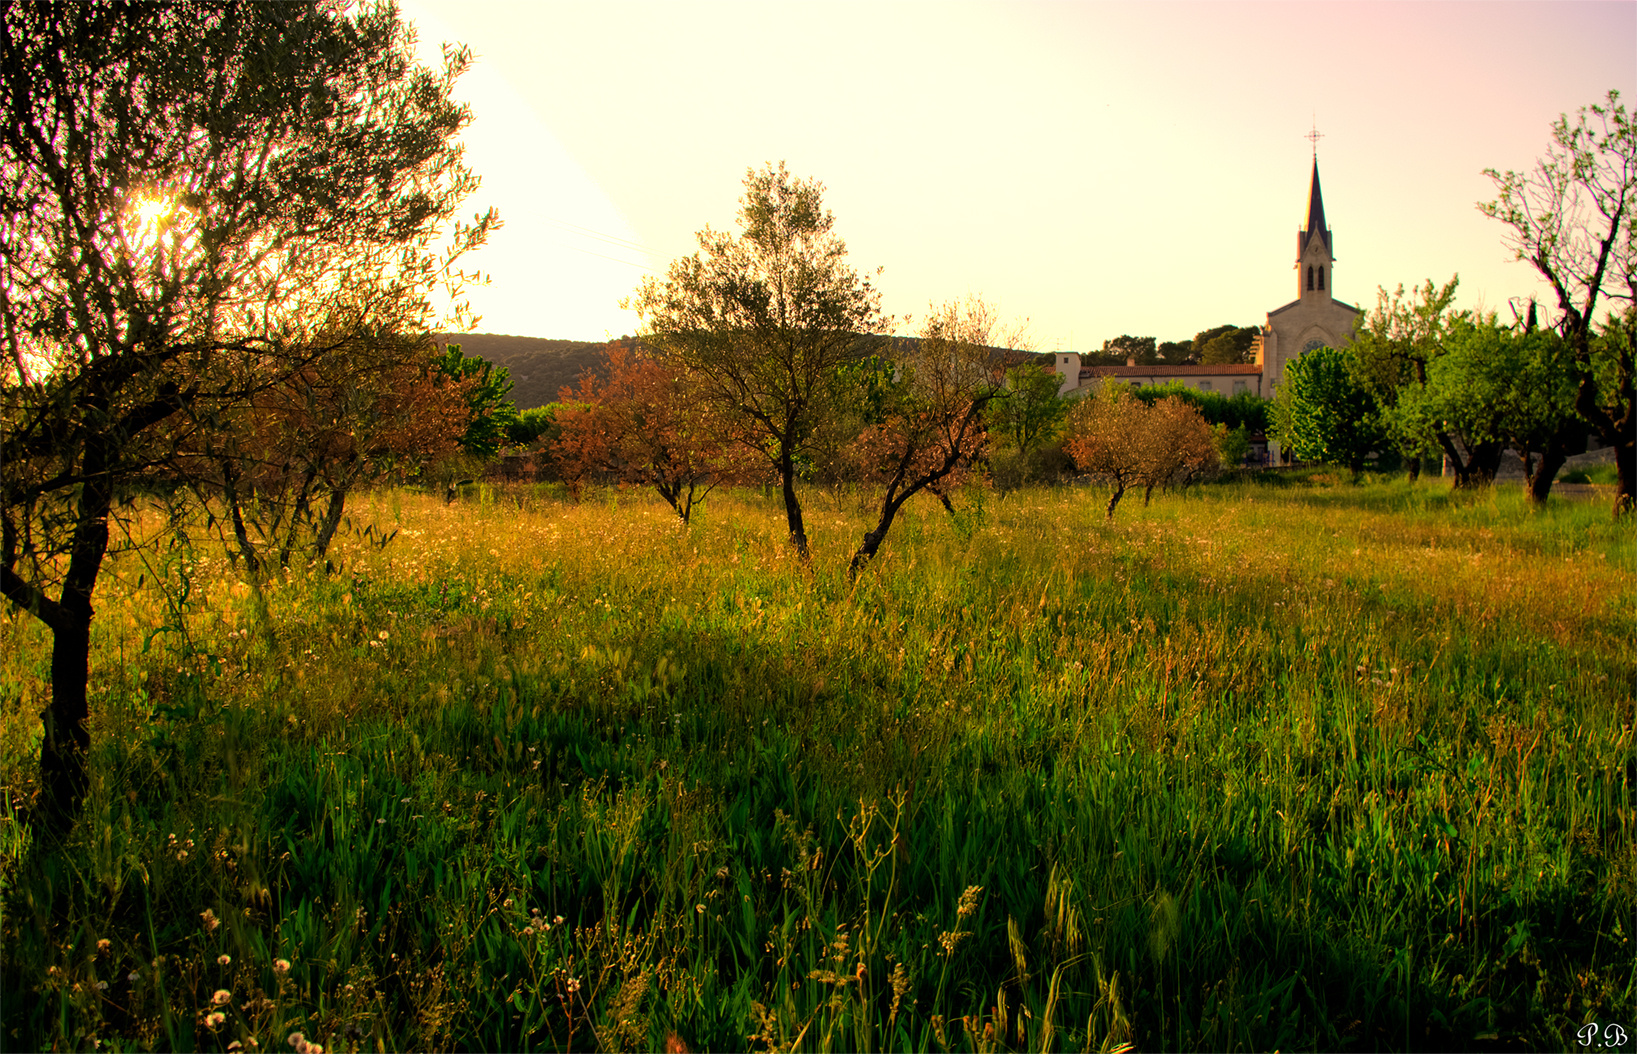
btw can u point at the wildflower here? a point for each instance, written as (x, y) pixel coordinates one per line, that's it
(134, 977)
(700, 908)
(281, 965)
(297, 1040)
(557, 920)
(505, 903)
(103, 944)
(381, 820)
(969, 902)
(102, 986)
(235, 1045)
(223, 960)
(214, 1019)
(383, 635)
(221, 997)
(207, 916)
(573, 985)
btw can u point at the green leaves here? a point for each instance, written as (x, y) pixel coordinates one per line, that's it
(491, 416)
(1323, 414)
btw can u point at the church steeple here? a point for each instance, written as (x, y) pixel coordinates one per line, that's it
(1315, 249)
(1315, 210)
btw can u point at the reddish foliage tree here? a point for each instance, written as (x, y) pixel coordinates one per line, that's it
(1121, 440)
(646, 425)
(367, 410)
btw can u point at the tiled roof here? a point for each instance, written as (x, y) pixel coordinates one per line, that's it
(1228, 370)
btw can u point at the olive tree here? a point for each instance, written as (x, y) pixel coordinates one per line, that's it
(198, 202)
(765, 321)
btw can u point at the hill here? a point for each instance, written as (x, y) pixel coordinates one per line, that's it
(539, 367)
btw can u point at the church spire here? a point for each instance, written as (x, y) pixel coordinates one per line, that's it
(1314, 248)
(1315, 212)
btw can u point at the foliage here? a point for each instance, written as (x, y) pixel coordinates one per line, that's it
(1571, 218)
(540, 776)
(764, 322)
(646, 426)
(533, 425)
(1245, 410)
(1125, 348)
(284, 464)
(1123, 441)
(489, 413)
(1226, 344)
(929, 425)
(1028, 413)
(1323, 414)
(1494, 386)
(1232, 445)
(200, 202)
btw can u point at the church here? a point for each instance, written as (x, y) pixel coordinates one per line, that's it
(1315, 319)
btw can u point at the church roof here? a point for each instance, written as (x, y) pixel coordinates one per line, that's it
(1315, 211)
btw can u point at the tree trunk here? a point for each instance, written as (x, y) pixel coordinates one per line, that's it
(230, 490)
(1485, 462)
(1415, 468)
(792, 505)
(1625, 468)
(332, 520)
(66, 743)
(1543, 472)
(1119, 491)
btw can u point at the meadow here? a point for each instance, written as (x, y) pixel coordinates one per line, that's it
(1273, 763)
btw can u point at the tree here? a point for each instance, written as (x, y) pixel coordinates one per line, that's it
(1389, 357)
(1495, 387)
(1125, 348)
(1028, 413)
(1101, 437)
(200, 202)
(490, 415)
(343, 421)
(1571, 218)
(645, 426)
(1323, 414)
(931, 420)
(1226, 345)
(765, 321)
(1173, 444)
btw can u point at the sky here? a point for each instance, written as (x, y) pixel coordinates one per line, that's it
(1096, 168)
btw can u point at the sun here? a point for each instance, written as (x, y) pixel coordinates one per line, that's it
(150, 210)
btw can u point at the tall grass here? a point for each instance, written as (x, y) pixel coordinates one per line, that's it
(1265, 764)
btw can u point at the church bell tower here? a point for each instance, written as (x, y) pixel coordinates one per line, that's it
(1315, 250)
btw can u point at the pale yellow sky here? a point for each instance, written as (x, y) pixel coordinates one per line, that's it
(1101, 168)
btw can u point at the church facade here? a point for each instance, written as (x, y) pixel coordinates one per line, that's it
(1314, 319)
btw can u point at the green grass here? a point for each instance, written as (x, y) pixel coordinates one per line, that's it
(1605, 474)
(1292, 764)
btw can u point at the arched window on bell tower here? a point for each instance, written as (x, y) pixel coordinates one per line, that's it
(1310, 278)
(1321, 277)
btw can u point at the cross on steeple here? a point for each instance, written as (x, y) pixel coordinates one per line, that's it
(1314, 136)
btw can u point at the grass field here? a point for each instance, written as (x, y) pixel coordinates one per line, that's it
(1286, 764)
